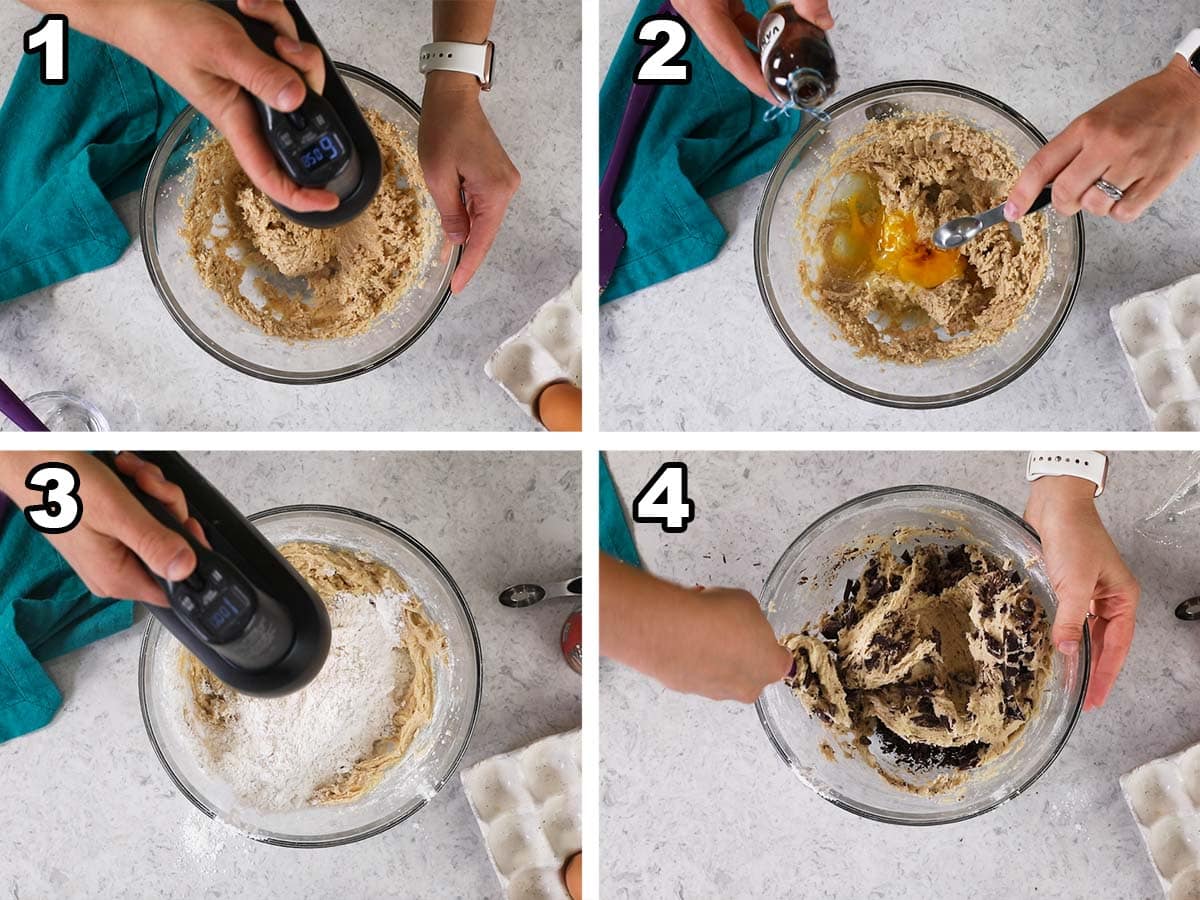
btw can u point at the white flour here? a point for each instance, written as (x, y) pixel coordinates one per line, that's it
(275, 753)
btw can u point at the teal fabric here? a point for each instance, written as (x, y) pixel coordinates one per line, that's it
(45, 611)
(698, 139)
(615, 538)
(67, 150)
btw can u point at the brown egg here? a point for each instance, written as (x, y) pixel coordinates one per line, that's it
(573, 875)
(560, 407)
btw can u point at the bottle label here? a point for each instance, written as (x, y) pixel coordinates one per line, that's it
(769, 31)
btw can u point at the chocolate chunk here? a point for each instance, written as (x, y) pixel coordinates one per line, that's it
(918, 756)
(927, 721)
(907, 557)
(1013, 713)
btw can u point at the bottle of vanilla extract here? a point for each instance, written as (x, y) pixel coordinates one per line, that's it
(797, 60)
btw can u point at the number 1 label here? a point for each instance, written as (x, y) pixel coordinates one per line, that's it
(49, 39)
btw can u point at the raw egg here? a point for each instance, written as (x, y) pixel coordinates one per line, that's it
(861, 238)
(560, 407)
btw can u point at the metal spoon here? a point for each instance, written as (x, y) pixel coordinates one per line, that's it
(1188, 610)
(957, 232)
(520, 596)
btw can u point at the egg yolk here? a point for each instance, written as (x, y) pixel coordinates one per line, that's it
(901, 253)
(868, 239)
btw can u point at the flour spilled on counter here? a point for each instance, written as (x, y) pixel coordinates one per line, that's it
(204, 840)
(333, 740)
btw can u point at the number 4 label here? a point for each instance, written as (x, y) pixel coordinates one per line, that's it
(664, 500)
(49, 39)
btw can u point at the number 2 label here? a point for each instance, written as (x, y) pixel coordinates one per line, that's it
(61, 508)
(49, 39)
(664, 500)
(670, 37)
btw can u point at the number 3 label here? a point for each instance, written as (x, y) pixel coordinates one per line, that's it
(61, 508)
(670, 37)
(664, 500)
(49, 39)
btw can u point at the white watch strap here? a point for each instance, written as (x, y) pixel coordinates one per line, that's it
(1086, 464)
(453, 56)
(1190, 44)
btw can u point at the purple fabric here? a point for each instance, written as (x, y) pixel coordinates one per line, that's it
(12, 407)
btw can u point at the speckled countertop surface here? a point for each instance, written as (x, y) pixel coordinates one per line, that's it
(90, 812)
(100, 334)
(699, 352)
(696, 803)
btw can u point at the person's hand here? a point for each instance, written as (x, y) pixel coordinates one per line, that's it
(461, 155)
(206, 55)
(720, 646)
(724, 27)
(723, 647)
(717, 643)
(1088, 576)
(115, 531)
(1139, 140)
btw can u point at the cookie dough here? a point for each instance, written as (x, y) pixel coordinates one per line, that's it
(341, 577)
(892, 294)
(941, 654)
(302, 283)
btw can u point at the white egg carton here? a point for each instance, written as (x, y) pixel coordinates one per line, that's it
(548, 349)
(1164, 796)
(1159, 331)
(529, 807)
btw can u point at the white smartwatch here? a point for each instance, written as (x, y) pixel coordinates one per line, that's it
(1086, 464)
(454, 56)
(1189, 49)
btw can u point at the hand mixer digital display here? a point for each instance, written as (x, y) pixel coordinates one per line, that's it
(323, 143)
(244, 612)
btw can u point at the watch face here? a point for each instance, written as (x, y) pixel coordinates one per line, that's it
(1194, 60)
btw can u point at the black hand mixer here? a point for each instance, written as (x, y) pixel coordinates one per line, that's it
(244, 612)
(325, 142)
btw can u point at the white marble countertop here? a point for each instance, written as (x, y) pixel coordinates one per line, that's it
(89, 810)
(696, 803)
(117, 330)
(667, 360)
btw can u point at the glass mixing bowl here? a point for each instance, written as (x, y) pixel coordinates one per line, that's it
(229, 337)
(807, 582)
(814, 338)
(437, 749)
